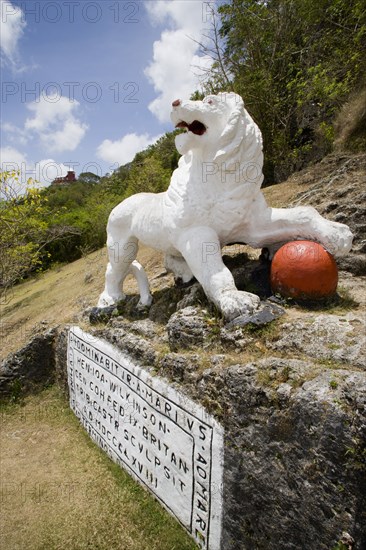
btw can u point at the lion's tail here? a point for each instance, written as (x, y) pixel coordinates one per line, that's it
(139, 273)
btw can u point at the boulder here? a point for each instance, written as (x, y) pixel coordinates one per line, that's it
(30, 368)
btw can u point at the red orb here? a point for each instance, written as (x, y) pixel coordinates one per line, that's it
(304, 270)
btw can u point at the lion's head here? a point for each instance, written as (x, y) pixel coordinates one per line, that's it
(220, 130)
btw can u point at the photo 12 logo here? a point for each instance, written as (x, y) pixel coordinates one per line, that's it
(47, 172)
(249, 172)
(208, 12)
(72, 12)
(53, 92)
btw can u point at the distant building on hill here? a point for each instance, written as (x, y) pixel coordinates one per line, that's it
(69, 178)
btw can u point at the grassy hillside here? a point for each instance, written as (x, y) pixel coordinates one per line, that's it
(60, 491)
(60, 295)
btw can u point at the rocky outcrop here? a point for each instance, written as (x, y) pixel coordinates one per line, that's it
(294, 418)
(338, 192)
(188, 328)
(338, 338)
(30, 368)
(294, 454)
(290, 394)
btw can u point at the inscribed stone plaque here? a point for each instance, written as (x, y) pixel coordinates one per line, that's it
(163, 439)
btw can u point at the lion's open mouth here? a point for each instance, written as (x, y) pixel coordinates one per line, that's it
(196, 127)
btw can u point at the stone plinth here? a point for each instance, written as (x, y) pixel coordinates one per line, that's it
(290, 430)
(168, 443)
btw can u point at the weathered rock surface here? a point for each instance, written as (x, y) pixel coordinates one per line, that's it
(295, 430)
(331, 337)
(188, 327)
(338, 192)
(179, 367)
(294, 458)
(137, 347)
(266, 313)
(60, 347)
(32, 367)
(193, 296)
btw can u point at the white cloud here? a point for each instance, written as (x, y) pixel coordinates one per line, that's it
(12, 25)
(65, 139)
(12, 159)
(177, 67)
(185, 14)
(14, 133)
(49, 110)
(43, 172)
(55, 123)
(47, 170)
(123, 150)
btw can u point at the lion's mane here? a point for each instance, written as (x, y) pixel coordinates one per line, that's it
(240, 144)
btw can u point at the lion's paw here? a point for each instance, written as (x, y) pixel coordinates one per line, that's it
(233, 303)
(337, 238)
(105, 300)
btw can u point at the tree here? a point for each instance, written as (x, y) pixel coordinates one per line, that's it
(21, 234)
(24, 230)
(89, 177)
(149, 176)
(294, 62)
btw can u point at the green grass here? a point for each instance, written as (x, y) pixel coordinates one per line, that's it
(60, 491)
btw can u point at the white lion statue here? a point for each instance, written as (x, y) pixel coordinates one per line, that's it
(214, 199)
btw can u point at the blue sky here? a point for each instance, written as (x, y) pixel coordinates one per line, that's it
(87, 84)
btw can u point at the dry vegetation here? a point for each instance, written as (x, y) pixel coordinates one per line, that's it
(59, 296)
(350, 123)
(59, 491)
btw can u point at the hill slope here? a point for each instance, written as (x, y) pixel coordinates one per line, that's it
(336, 187)
(290, 395)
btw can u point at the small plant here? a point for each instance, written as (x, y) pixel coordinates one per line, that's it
(15, 391)
(334, 346)
(270, 330)
(333, 384)
(285, 374)
(356, 456)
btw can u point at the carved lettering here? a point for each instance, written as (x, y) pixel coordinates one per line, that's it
(161, 438)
